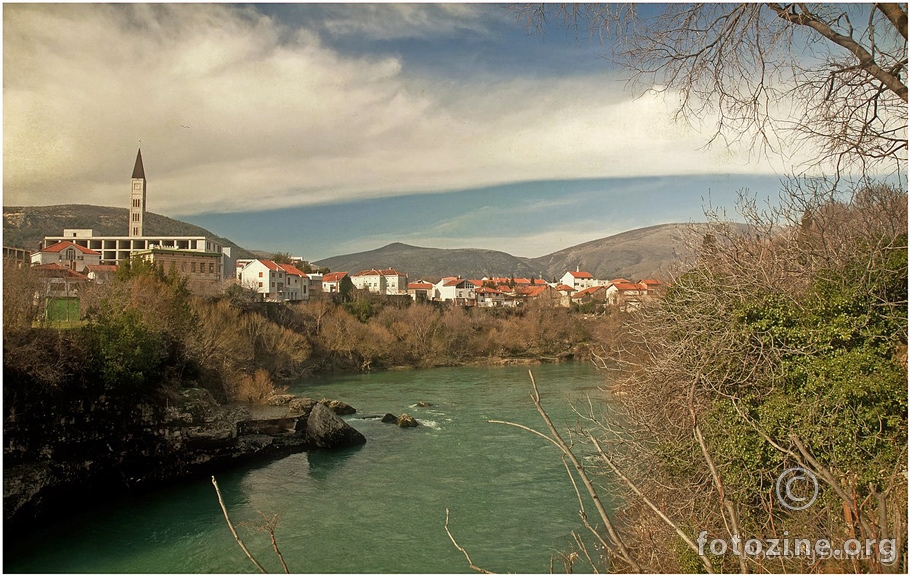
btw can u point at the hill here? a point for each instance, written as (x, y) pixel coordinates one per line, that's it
(25, 226)
(636, 254)
(419, 262)
(642, 253)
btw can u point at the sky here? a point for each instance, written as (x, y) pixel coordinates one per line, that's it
(325, 129)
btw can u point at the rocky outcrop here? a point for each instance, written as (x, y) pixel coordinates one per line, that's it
(390, 418)
(192, 436)
(338, 407)
(406, 421)
(325, 429)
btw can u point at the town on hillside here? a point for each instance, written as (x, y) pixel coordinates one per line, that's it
(78, 256)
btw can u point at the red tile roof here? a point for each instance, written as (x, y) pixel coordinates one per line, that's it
(64, 244)
(57, 270)
(291, 269)
(419, 286)
(564, 288)
(581, 274)
(629, 286)
(334, 276)
(269, 264)
(485, 290)
(588, 291)
(375, 272)
(535, 291)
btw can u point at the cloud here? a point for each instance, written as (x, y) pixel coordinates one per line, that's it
(238, 110)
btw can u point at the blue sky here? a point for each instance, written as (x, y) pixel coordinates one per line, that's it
(325, 129)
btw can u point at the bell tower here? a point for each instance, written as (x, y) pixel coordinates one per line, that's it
(137, 197)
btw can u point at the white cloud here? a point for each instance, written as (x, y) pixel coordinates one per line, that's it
(276, 118)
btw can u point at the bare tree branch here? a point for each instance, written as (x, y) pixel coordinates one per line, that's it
(234, 531)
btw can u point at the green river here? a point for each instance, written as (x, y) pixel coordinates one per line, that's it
(376, 508)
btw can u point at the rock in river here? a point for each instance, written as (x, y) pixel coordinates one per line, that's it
(338, 407)
(325, 429)
(406, 421)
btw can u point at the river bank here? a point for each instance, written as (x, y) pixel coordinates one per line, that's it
(196, 437)
(379, 507)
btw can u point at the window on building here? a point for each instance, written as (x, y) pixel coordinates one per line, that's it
(193, 267)
(211, 267)
(260, 274)
(260, 284)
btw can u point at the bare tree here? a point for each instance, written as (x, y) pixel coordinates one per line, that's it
(772, 77)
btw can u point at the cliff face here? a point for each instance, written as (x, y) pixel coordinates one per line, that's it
(195, 436)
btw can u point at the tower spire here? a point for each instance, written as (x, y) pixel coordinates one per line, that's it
(137, 197)
(138, 170)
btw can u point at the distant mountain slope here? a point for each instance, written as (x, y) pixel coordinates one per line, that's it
(636, 254)
(419, 262)
(25, 226)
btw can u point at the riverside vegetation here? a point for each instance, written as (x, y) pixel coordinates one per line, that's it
(782, 346)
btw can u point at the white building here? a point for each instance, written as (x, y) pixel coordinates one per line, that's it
(456, 290)
(387, 281)
(331, 281)
(297, 286)
(578, 280)
(67, 254)
(265, 278)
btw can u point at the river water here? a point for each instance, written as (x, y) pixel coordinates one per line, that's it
(376, 508)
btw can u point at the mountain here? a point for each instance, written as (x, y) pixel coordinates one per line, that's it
(636, 254)
(26, 226)
(419, 262)
(642, 253)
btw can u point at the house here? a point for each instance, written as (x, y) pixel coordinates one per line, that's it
(421, 290)
(565, 294)
(630, 296)
(597, 294)
(653, 286)
(486, 297)
(67, 254)
(195, 266)
(315, 284)
(578, 280)
(388, 281)
(330, 282)
(459, 291)
(544, 294)
(265, 278)
(297, 284)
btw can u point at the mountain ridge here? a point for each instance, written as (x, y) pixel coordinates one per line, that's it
(635, 254)
(652, 251)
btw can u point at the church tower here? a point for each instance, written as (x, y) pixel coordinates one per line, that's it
(137, 197)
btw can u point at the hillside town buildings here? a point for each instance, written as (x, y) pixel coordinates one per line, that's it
(114, 250)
